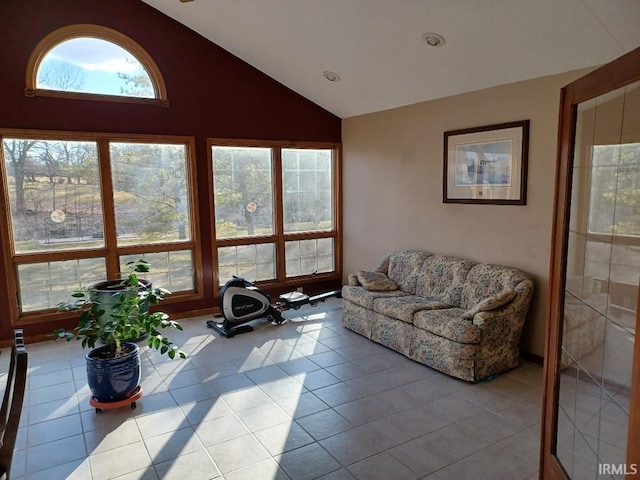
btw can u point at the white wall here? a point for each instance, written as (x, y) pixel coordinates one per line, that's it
(392, 186)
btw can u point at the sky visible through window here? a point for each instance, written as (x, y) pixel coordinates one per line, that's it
(91, 65)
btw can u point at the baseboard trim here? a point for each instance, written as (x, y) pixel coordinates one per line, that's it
(532, 357)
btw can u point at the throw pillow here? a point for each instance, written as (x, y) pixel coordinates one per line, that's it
(491, 303)
(375, 281)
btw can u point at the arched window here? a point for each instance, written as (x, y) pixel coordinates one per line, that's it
(96, 62)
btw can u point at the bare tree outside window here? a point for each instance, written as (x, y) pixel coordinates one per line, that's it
(57, 74)
(243, 191)
(55, 204)
(55, 197)
(150, 192)
(93, 65)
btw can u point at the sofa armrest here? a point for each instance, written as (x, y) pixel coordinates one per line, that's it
(486, 319)
(353, 280)
(506, 323)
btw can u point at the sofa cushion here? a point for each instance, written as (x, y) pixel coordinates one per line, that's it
(404, 268)
(365, 298)
(449, 324)
(375, 281)
(391, 332)
(403, 308)
(442, 278)
(383, 266)
(494, 302)
(485, 280)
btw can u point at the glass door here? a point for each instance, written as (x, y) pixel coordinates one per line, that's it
(591, 370)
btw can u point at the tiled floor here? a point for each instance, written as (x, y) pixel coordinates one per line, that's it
(307, 399)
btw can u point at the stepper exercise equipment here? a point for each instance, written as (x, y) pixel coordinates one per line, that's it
(241, 301)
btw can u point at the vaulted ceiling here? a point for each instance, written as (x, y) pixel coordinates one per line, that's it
(377, 47)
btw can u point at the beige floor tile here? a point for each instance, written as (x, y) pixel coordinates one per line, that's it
(492, 463)
(525, 444)
(66, 450)
(172, 445)
(365, 410)
(352, 446)
(328, 359)
(119, 461)
(283, 388)
(301, 406)
(75, 470)
(324, 424)
(237, 453)
(55, 429)
(111, 420)
(193, 393)
(337, 394)
(490, 425)
(113, 436)
(422, 455)
(316, 379)
(342, 474)
(198, 412)
(220, 430)
(148, 473)
(458, 441)
(381, 467)
(46, 380)
(307, 462)
(158, 423)
(50, 410)
(244, 399)
(306, 399)
(193, 465)
(264, 416)
(283, 438)
(263, 470)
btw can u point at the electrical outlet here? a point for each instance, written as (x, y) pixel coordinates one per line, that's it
(300, 289)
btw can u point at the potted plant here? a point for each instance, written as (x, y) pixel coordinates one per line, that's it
(112, 313)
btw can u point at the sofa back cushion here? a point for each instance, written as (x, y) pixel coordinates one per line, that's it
(485, 280)
(404, 268)
(442, 278)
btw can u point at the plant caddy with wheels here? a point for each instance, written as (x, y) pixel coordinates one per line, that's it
(113, 313)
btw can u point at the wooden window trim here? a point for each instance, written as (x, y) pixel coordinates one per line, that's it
(279, 237)
(110, 251)
(102, 33)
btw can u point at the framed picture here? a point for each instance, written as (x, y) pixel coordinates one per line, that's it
(487, 164)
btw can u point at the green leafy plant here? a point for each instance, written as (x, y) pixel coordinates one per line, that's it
(129, 318)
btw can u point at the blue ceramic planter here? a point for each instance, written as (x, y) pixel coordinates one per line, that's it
(113, 379)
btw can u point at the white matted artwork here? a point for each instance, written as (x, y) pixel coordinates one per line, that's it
(486, 164)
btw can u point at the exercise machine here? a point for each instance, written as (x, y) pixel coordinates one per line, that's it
(241, 301)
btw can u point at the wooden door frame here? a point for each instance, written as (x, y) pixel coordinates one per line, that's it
(620, 72)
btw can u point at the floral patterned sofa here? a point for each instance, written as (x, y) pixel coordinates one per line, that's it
(456, 316)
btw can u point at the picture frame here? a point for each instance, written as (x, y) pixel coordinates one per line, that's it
(487, 165)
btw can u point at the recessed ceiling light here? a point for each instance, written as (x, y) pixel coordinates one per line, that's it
(433, 39)
(332, 77)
